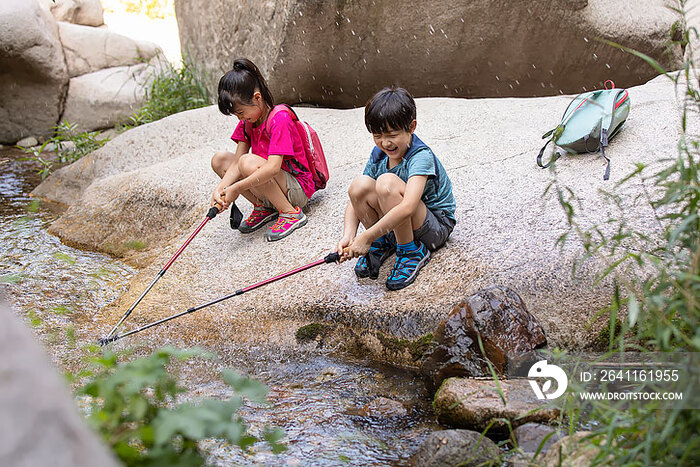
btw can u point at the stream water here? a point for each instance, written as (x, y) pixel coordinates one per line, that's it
(317, 397)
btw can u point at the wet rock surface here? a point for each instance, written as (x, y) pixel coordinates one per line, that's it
(40, 425)
(498, 318)
(337, 54)
(530, 435)
(576, 450)
(473, 403)
(452, 448)
(381, 407)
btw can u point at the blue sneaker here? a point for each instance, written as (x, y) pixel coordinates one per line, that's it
(406, 267)
(368, 265)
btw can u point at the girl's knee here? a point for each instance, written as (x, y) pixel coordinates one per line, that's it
(220, 162)
(249, 163)
(361, 187)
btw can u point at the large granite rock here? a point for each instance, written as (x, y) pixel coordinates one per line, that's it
(498, 318)
(86, 12)
(150, 187)
(33, 76)
(39, 423)
(476, 404)
(104, 98)
(89, 49)
(338, 53)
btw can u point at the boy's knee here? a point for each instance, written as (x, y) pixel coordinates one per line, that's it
(361, 187)
(388, 183)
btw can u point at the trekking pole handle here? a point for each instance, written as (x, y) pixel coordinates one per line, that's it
(214, 210)
(332, 258)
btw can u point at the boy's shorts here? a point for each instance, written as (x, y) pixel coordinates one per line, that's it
(434, 232)
(295, 193)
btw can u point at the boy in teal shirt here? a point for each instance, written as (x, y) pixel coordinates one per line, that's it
(404, 197)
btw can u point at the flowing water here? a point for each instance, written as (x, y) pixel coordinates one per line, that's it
(317, 397)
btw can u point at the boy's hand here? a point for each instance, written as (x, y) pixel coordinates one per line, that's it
(358, 247)
(341, 246)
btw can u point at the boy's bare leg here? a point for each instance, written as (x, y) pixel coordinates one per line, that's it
(390, 191)
(274, 190)
(221, 162)
(363, 197)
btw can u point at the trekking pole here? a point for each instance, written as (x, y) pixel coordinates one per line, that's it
(213, 211)
(330, 258)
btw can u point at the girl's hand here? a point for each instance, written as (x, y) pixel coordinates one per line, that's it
(358, 247)
(216, 198)
(341, 245)
(229, 195)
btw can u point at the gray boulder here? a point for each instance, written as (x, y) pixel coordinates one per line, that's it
(152, 185)
(86, 12)
(475, 403)
(337, 54)
(33, 76)
(40, 424)
(453, 448)
(89, 49)
(104, 98)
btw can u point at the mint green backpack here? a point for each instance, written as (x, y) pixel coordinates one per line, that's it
(589, 122)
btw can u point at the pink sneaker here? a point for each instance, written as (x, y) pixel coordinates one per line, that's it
(259, 217)
(286, 224)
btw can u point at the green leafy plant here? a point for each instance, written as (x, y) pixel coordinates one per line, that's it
(133, 406)
(656, 299)
(69, 145)
(173, 90)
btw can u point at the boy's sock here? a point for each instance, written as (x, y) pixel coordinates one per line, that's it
(406, 247)
(379, 243)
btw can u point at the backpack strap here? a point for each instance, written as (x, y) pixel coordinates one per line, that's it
(553, 159)
(605, 124)
(277, 109)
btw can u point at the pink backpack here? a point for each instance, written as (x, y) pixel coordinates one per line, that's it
(315, 158)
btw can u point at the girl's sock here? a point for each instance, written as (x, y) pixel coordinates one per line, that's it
(406, 247)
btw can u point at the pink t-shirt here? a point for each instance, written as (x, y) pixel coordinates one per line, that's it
(283, 140)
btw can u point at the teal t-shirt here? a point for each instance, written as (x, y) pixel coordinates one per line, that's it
(419, 160)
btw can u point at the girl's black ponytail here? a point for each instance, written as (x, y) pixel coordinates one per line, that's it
(239, 85)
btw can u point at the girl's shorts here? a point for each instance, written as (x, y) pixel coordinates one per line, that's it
(295, 193)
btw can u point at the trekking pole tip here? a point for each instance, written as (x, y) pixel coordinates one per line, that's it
(102, 341)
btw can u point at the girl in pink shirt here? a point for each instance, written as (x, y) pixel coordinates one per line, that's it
(269, 167)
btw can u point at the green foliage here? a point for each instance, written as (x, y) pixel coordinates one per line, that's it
(173, 90)
(155, 9)
(310, 332)
(69, 145)
(656, 282)
(133, 407)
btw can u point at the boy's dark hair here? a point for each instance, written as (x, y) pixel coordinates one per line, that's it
(239, 85)
(390, 109)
